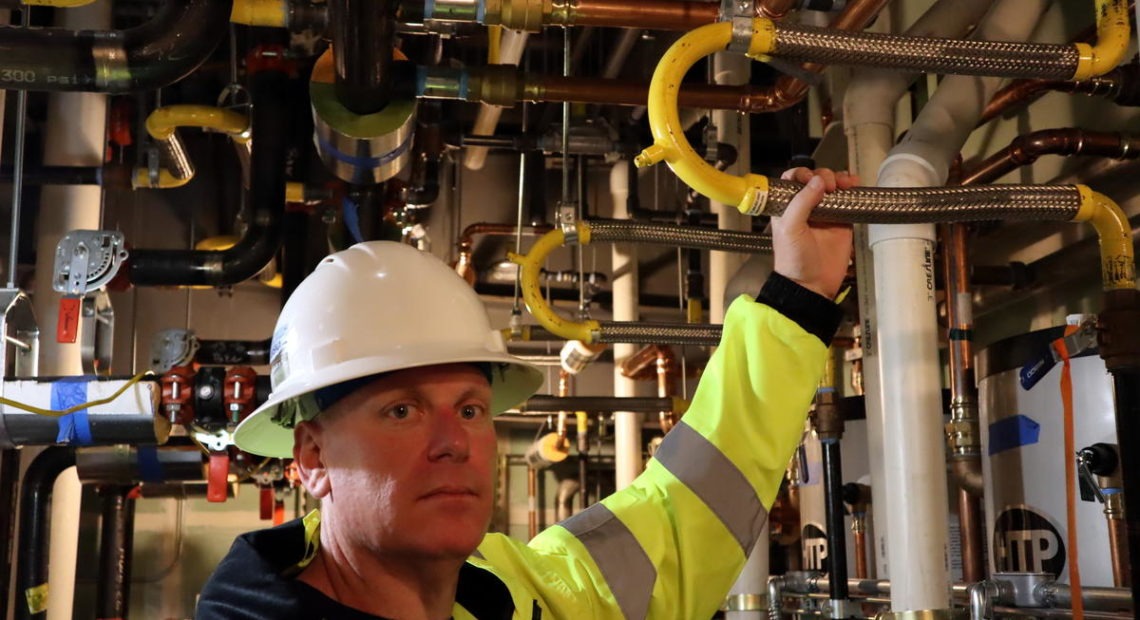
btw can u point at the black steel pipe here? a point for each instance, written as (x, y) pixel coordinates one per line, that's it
(836, 528)
(56, 175)
(170, 46)
(116, 542)
(1126, 388)
(262, 239)
(35, 530)
(233, 352)
(9, 476)
(363, 34)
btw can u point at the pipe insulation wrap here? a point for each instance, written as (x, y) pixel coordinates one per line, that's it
(887, 205)
(802, 43)
(613, 231)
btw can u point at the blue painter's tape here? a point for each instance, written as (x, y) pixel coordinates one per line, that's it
(365, 162)
(1013, 432)
(150, 468)
(429, 9)
(480, 11)
(74, 428)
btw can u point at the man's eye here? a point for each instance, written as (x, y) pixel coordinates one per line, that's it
(471, 412)
(399, 412)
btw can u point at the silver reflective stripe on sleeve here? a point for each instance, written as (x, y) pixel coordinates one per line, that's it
(624, 564)
(708, 473)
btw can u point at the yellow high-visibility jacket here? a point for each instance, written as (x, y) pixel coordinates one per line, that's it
(668, 546)
(671, 544)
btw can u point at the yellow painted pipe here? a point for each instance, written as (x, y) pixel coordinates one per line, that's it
(165, 180)
(530, 268)
(294, 192)
(669, 143)
(1117, 256)
(269, 13)
(163, 121)
(1112, 33)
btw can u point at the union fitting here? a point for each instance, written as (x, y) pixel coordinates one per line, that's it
(826, 418)
(526, 15)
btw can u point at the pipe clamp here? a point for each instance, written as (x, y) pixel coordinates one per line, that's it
(745, 602)
(740, 13)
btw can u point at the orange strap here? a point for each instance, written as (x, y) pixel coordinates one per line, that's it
(1070, 474)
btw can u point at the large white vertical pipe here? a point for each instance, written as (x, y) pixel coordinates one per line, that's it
(511, 47)
(627, 424)
(869, 122)
(74, 134)
(732, 128)
(913, 448)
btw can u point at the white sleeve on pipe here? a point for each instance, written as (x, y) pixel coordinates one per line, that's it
(511, 48)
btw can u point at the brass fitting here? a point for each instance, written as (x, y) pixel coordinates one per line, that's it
(517, 14)
(495, 85)
(826, 418)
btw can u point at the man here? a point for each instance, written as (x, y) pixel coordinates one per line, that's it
(386, 374)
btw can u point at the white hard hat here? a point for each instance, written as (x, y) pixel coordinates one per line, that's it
(376, 307)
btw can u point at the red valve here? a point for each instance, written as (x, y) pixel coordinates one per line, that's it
(278, 512)
(217, 481)
(240, 387)
(267, 503)
(177, 394)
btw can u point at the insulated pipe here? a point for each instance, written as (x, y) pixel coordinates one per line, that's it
(262, 238)
(116, 543)
(731, 70)
(1027, 148)
(363, 34)
(35, 524)
(627, 424)
(176, 168)
(175, 42)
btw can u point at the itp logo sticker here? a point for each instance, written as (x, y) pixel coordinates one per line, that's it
(815, 554)
(1025, 541)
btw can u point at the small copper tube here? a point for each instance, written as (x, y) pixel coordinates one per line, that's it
(466, 243)
(1118, 539)
(970, 531)
(531, 502)
(647, 14)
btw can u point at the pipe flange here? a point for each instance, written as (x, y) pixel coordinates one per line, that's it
(362, 149)
(745, 602)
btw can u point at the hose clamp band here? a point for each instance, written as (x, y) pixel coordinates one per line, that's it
(111, 69)
(568, 222)
(740, 13)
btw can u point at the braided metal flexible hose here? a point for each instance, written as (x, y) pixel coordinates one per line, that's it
(881, 205)
(172, 155)
(618, 231)
(660, 333)
(802, 43)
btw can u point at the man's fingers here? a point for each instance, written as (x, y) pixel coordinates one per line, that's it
(846, 180)
(799, 175)
(799, 209)
(828, 177)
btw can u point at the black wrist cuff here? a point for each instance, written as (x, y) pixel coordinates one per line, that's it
(818, 315)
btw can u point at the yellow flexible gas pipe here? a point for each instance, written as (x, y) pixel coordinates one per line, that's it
(1118, 261)
(1112, 33)
(165, 180)
(270, 13)
(162, 123)
(530, 268)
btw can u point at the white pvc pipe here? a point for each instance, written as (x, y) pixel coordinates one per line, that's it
(511, 48)
(907, 338)
(627, 424)
(74, 134)
(869, 122)
(733, 128)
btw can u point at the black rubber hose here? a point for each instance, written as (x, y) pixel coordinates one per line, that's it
(116, 543)
(9, 475)
(179, 38)
(35, 527)
(363, 33)
(262, 239)
(1126, 386)
(836, 527)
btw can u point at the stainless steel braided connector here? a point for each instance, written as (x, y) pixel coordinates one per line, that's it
(928, 55)
(882, 205)
(617, 231)
(660, 333)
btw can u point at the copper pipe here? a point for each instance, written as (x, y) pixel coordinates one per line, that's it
(646, 14)
(859, 530)
(531, 502)
(970, 533)
(1027, 148)
(466, 243)
(787, 91)
(962, 432)
(1020, 93)
(1118, 540)
(775, 9)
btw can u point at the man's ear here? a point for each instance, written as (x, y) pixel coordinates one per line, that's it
(308, 441)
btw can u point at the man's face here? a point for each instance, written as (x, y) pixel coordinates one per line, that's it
(410, 462)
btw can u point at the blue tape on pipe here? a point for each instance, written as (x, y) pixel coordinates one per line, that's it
(74, 428)
(1013, 432)
(150, 468)
(429, 9)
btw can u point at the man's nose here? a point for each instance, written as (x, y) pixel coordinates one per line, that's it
(449, 437)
